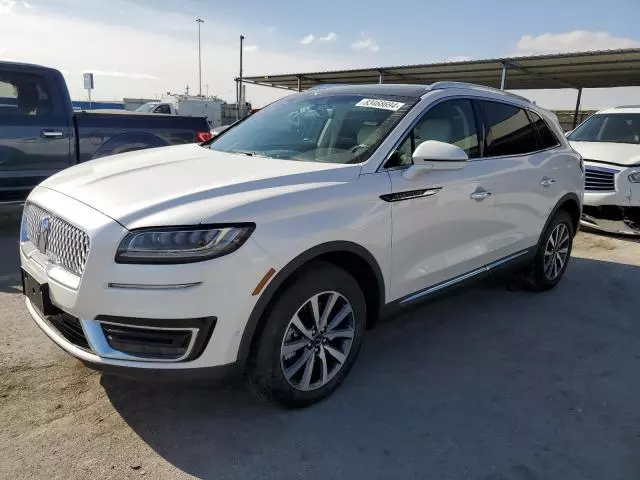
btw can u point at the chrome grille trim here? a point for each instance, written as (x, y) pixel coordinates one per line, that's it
(599, 179)
(65, 244)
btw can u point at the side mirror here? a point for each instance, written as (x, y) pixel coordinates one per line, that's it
(433, 155)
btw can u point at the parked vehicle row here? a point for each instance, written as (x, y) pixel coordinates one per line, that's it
(41, 135)
(272, 248)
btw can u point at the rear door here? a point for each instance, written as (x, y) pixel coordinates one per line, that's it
(524, 190)
(35, 132)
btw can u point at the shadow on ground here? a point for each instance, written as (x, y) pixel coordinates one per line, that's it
(483, 384)
(9, 252)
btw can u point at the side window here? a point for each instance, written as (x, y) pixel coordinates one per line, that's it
(24, 95)
(451, 121)
(163, 108)
(546, 136)
(509, 131)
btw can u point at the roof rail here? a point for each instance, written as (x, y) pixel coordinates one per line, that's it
(473, 86)
(627, 106)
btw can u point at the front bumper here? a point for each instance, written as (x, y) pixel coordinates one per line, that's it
(612, 219)
(617, 210)
(168, 296)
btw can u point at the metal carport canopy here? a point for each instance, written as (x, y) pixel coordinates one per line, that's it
(597, 69)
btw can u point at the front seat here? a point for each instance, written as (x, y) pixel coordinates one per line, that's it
(434, 129)
(366, 135)
(27, 99)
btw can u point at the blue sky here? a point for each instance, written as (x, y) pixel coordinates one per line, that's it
(146, 48)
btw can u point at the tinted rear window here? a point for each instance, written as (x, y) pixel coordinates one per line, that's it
(546, 136)
(509, 131)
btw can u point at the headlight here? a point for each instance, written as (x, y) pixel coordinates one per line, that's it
(182, 244)
(634, 177)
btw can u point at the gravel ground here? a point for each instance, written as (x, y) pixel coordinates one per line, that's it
(487, 383)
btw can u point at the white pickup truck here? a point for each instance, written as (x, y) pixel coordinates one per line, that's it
(609, 142)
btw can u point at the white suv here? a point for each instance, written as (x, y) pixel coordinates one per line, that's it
(272, 248)
(609, 142)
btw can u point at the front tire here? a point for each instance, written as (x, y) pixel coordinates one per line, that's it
(554, 251)
(311, 337)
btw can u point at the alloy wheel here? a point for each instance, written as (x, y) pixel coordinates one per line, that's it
(317, 341)
(556, 251)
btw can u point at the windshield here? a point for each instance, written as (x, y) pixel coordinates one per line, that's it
(317, 127)
(614, 128)
(147, 107)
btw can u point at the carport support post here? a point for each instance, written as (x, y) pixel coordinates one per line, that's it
(577, 111)
(503, 80)
(380, 77)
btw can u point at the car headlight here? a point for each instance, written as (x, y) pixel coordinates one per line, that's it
(634, 177)
(182, 244)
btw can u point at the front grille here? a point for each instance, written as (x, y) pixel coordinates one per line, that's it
(599, 180)
(70, 328)
(61, 242)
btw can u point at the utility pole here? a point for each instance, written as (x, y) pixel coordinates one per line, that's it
(239, 82)
(199, 21)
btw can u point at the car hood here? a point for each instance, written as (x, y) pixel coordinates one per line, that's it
(625, 154)
(187, 184)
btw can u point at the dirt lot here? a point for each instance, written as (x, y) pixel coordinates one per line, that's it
(488, 383)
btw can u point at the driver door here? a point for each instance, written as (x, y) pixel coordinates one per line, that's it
(443, 221)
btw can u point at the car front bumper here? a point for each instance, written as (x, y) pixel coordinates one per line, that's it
(205, 305)
(616, 210)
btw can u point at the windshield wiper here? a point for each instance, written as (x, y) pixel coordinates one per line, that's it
(252, 154)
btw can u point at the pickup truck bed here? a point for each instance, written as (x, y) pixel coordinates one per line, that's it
(41, 135)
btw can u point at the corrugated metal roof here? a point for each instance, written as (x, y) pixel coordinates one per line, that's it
(598, 69)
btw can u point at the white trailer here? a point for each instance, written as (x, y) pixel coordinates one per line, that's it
(187, 106)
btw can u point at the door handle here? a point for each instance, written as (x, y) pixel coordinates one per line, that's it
(480, 195)
(547, 182)
(52, 134)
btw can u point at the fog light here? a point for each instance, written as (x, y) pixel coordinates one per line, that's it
(634, 177)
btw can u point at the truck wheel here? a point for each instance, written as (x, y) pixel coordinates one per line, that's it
(554, 251)
(311, 338)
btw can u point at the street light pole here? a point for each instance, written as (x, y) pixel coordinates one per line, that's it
(199, 21)
(239, 82)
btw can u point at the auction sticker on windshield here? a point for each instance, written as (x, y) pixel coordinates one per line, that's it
(381, 104)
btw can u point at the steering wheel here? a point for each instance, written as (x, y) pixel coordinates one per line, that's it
(358, 147)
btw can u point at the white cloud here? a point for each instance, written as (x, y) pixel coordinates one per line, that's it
(272, 29)
(131, 76)
(365, 43)
(250, 48)
(575, 41)
(6, 7)
(50, 37)
(458, 58)
(308, 39)
(27, 5)
(329, 37)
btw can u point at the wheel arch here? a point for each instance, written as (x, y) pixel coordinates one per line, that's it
(571, 204)
(349, 256)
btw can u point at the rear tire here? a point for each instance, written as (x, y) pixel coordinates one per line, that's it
(554, 251)
(305, 351)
